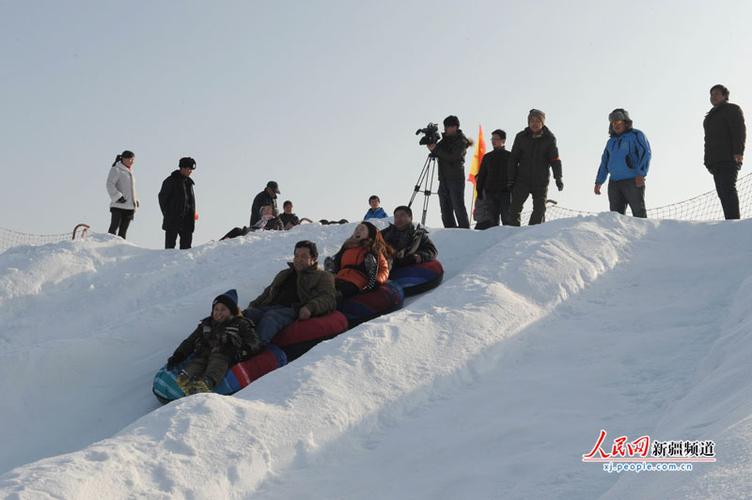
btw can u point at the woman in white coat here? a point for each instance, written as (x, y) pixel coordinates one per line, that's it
(121, 186)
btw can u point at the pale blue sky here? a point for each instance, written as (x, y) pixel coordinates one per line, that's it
(324, 97)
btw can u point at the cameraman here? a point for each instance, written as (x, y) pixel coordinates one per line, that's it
(450, 152)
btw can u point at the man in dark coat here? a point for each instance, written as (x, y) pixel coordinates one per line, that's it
(450, 152)
(266, 197)
(725, 135)
(492, 183)
(534, 151)
(299, 292)
(178, 203)
(411, 243)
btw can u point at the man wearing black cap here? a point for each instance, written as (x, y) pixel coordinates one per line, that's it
(450, 151)
(178, 203)
(725, 135)
(492, 183)
(534, 151)
(266, 197)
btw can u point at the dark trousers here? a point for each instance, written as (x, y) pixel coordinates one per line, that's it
(499, 206)
(209, 364)
(625, 192)
(520, 192)
(345, 290)
(171, 237)
(452, 201)
(725, 185)
(120, 219)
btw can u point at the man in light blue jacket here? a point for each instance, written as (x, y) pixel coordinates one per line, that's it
(626, 159)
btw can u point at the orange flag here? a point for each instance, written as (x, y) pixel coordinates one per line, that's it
(480, 150)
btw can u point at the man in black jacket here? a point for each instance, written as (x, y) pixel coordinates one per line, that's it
(725, 135)
(450, 151)
(411, 243)
(534, 151)
(178, 203)
(492, 183)
(266, 197)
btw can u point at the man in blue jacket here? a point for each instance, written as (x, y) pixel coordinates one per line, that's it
(626, 159)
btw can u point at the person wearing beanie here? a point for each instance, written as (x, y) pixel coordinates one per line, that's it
(410, 242)
(625, 160)
(534, 152)
(492, 184)
(362, 263)
(450, 153)
(220, 340)
(177, 201)
(266, 197)
(121, 187)
(300, 292)
(725, 135)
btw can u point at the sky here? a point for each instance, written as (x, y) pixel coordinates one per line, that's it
(325, 96)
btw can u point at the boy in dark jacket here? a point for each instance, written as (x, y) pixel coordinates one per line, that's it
(534, 151)
(223, 338)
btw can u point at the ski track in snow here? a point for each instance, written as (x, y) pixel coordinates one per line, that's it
(491, 386)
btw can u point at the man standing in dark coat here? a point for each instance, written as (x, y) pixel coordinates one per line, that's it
(534, 151)
(178, 203)
(450, 151)
(266, 197)
(492, 183)
(725, 135)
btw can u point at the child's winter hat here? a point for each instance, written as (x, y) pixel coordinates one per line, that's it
(230, 299)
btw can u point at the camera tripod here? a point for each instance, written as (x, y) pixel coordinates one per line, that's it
(425, 181)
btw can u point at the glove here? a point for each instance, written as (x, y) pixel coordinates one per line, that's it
(559, 184)
(122, 199)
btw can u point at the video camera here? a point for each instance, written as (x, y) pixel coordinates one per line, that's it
(430, 134)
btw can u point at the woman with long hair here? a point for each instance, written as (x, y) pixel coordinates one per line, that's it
(121, 187)
(362, 263)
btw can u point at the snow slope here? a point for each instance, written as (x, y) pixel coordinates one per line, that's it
(491, 386)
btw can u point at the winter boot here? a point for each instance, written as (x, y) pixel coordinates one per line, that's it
(199, 385)
(183, 380)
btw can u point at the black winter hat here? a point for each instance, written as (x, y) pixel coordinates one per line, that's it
(451, 121)
(230, 299)
(187, 162)
(273, 186)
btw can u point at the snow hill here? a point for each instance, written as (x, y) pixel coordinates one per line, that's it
(491, 386)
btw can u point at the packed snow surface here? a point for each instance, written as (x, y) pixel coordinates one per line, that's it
(491, 386)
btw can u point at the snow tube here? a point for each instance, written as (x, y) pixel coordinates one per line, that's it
(418, 278)
(364, 307)
(166, 389)
(301, 336)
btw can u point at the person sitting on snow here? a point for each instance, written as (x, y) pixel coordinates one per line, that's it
(299, 292)
(411, 243)
(268, 220)
(362, 262)
(288, 218)
(375, 212)
(223, 338)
